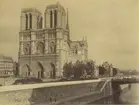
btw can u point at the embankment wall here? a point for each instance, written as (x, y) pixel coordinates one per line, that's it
(44, 93)
(56, 93)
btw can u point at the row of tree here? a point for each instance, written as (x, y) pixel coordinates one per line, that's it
(86, 69)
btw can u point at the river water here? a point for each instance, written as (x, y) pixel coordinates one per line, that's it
(130, 96)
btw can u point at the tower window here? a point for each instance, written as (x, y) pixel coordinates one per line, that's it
(51, 19)
(40, 22)
(26, 21)
(55, 18)
(30, 16)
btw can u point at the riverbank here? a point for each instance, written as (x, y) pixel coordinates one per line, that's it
(131, 96)
(31, 94)
(127, 96)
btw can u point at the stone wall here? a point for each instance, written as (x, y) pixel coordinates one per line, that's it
(44, 93)
(20, 97)
(58, 93)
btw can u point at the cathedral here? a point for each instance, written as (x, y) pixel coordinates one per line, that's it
(45, 44)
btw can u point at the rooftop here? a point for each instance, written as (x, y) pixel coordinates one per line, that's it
(5, 57)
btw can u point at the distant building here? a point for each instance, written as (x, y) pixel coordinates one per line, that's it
(6, 66)
(44, 50)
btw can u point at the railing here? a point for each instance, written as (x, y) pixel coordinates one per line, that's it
(75, 94)
(42, 85)
(103, 87)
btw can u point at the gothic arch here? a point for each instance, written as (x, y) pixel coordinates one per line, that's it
(51, 20)
(53, 71)
(37, 22)
(30, 17)
(55, 18)
(26, 70)
(26, 21)
(40, 23)
(40, 48)
(40, 69)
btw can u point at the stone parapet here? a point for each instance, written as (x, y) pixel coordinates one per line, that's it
(45, 93)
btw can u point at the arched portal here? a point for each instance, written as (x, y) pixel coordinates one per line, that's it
(26, 70)
(40, 70)
(40, 48)
(53, 72)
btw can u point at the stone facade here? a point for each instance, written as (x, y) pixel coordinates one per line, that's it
(44, 50)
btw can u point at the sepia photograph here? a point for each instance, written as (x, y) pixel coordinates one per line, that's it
(69, 52)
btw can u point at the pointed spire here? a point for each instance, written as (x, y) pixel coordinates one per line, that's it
(67, 25)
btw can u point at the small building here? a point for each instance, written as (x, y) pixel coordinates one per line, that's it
(6, 65)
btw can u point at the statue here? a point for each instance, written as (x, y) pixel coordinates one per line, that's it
(52, 47)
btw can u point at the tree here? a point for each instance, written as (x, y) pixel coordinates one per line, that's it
(68, 69)
(102, 70)
(90, 65)
(115, 71)
(78, 70)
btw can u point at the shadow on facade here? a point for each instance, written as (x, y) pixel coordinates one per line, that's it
(49, 95)
(41, 71)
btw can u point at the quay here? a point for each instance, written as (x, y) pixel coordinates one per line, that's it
(59, 93)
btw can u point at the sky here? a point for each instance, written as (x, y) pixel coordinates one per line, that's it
(111, 27)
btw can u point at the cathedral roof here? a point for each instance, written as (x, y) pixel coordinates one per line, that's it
(77, 44)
